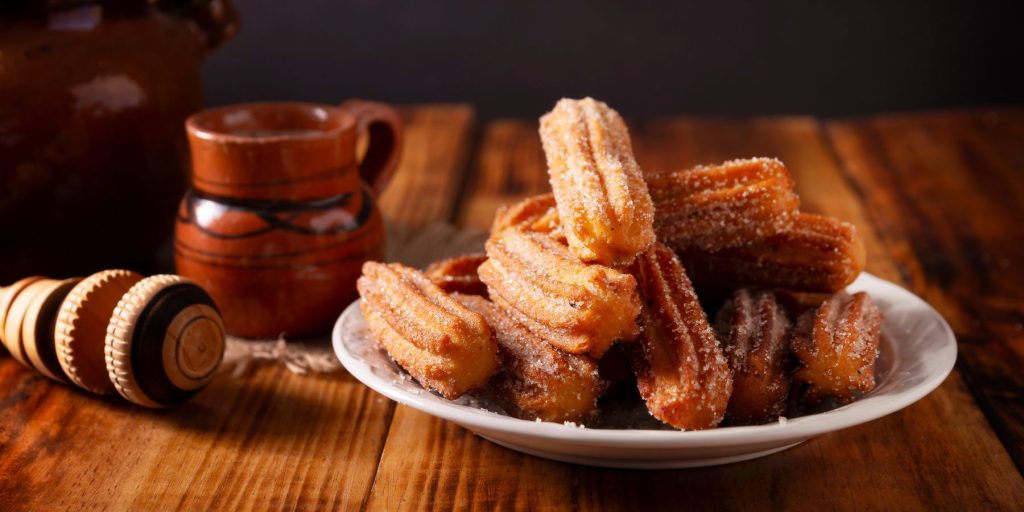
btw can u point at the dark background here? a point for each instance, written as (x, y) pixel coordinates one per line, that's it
(515, 58)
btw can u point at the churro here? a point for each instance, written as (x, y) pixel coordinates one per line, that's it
(681, 370)
(458, 274)
(818, 254)
(579, 308)
(535, 213)
(608, 257)
(441, 343)
(537, 380)
(837, 346)
(755, 332)
(602, 199)
(712, 207)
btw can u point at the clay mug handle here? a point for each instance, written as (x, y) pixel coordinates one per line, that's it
(383, 126)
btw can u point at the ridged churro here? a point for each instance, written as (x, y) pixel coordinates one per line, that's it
(681, 370)
(837, 346)
(817, 254)
(602, 199)
(538, 381)
(458, 274)
(536, 213)
(712, 207)
(755, 332)
(579, 308)
(441, 343)
(608, 257)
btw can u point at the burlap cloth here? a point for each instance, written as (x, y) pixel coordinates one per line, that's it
(416, 248)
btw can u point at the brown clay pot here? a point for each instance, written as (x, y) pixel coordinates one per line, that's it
(282, 214)
(92, 98)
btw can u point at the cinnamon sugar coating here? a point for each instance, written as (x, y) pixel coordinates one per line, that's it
(536, 213)
(441, 343)
(712, 207)
(538, 381)
(755, 332)
(837, 346)
(681, 370)
(579, 308)
(458, 274)
(817, 254)
(602, 199)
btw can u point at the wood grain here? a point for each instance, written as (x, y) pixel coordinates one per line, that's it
(508, 166)
(267, 440)
(438, 142)
(889, 462)
(937, 197)
(429, 463)
(946, 190)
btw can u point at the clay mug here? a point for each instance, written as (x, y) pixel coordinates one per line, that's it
(281, 213)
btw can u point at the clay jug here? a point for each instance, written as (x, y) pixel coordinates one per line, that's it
(282, 212)
(92, 98)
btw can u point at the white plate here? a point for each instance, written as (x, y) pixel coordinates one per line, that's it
(918, 351)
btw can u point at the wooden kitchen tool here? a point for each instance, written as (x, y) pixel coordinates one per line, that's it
(156, 341)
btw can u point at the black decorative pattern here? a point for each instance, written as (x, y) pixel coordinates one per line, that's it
(277, 215)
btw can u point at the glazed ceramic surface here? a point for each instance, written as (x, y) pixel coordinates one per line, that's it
(92, 99)
(917, 353)
(281, 214)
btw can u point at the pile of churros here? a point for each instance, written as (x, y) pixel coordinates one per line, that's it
(610, 266)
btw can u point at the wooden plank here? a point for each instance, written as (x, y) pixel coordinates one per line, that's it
(956, 182)
(433, 163)
(939, 453)
(430, 463)
(270, 439)
(509, 166)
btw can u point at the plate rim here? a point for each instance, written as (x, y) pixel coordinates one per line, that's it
(855, 413)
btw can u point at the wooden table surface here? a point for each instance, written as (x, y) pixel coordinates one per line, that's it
(937, 195)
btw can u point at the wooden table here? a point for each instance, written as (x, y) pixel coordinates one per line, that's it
(937, 195)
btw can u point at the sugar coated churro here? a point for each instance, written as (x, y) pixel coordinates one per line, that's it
(755, 331)
(602, 199)
(712, 207)
(536, 213)
(538, 381)
(440, 342)
(681, 370)
(817, 254)
(837, 346)
(536, 320)
(458, 274)
(577, 307)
